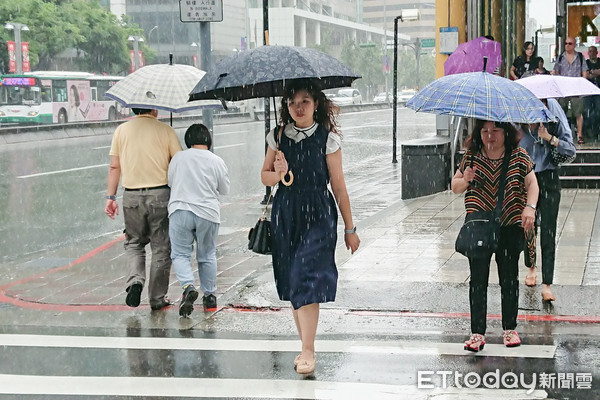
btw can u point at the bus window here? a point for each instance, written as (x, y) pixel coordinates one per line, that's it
(4, 94)
(14, 96)
(46, 94)
(103, 87)
(59, 91)
(94, 94)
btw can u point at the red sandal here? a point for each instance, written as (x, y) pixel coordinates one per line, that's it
(475, 343)
(511, 338)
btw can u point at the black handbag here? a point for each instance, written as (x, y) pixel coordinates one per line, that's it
(259, 237)
(478, 237)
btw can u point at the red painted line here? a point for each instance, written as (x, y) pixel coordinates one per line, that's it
(521, 317)
(62, 307)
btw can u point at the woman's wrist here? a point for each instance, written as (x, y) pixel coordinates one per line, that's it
(350, 231)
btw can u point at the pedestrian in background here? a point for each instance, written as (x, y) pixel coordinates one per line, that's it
(538, 141)
(572, 63)
(304, 214)
(525, 63)
(592, 103)
(541, 70)
(140, 153)
(197, 178)
(486, 148)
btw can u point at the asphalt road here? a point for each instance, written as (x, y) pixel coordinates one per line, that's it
(368, 345)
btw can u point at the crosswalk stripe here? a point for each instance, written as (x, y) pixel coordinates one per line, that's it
(325, 346)
(246, 388)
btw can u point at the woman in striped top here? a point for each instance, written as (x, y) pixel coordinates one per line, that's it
(479, 175)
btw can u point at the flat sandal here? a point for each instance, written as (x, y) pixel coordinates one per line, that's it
(475, 343)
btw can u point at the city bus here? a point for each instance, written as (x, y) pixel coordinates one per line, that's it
(57, 97)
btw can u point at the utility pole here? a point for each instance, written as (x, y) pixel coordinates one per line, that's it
(266, 100)
(207, 114)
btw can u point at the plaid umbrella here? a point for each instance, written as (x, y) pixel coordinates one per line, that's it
(264, 71)
(161, 87)
(480, 95)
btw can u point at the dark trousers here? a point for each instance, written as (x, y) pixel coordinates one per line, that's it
(546, 216)
(592, 116)
(510, 246)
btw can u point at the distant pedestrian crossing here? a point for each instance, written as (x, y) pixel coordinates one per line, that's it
(198, 367)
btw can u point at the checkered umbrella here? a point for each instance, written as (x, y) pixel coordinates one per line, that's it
(161, 87)
(481, 95)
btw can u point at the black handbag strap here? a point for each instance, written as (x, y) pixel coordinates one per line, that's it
(501, 184)
(277, 140)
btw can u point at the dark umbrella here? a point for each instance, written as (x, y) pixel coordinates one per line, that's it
(264, 72)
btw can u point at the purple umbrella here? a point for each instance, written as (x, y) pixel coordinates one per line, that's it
(468, 57)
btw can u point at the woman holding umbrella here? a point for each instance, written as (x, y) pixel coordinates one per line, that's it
(304, 215)
(479, 174)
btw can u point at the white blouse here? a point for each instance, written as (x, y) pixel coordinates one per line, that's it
(334, 141)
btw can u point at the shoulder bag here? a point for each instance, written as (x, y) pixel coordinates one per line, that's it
(478, 237)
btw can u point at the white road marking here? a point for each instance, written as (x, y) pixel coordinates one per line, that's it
(100, 147)
(231, 133)
(229, 145)
(324, 346)
(61, 171)
(242, 388)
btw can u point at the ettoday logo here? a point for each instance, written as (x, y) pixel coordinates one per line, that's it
(507, 380)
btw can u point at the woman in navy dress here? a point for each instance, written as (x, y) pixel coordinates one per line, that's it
(304, 215)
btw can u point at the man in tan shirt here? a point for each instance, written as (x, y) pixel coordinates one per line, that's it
(139, 155)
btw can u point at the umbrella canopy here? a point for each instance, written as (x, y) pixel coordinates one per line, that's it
(264, 72)
(480, 95)
(468, 57)
(554, 86)
(161, 87)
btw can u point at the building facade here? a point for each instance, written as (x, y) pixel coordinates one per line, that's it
(303, 23)
(381, 13)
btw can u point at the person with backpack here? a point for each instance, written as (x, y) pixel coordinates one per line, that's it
(572, 63)
(592, 103)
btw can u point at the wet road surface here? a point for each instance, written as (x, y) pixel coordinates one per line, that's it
(401, 308)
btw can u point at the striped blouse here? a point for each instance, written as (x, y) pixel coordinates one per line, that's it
(481, 195)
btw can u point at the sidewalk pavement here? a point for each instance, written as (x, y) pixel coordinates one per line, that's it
(406, 261)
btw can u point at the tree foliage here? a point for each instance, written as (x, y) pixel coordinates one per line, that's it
(97, 38)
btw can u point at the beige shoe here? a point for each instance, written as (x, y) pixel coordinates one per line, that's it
(547, 294)
(306, 367)
(297, 360)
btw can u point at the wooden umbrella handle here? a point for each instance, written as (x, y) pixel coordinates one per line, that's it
(287, 183)
(283, 174)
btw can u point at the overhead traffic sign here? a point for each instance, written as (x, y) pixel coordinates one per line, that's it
(427, 42)
(201, 10)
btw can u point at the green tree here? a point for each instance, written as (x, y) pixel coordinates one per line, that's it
(366, 61)
(407, 69)
(98, 36)
(49, 33)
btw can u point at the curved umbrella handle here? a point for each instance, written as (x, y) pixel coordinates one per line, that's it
(287, 183)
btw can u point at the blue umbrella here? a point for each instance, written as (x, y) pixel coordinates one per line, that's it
(481, 95)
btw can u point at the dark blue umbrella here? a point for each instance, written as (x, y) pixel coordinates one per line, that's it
(480, 95)
(264, 72)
